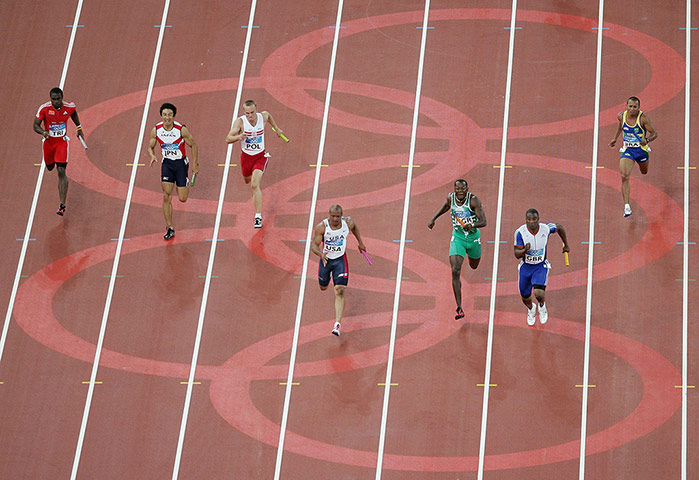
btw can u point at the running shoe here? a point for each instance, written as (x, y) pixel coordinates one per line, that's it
(531, 316)
(169, 234)
(627, 210)
(459, 314)
(61, 210)
(336, 329)
(543, 314)
(258, 222)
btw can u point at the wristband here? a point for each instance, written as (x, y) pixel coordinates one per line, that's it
(78, 127)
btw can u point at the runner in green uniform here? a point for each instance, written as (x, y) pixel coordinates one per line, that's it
(467, 216)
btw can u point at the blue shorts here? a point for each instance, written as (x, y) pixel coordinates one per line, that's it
(533, 275)
(637, 154)
(339, 269)
(175, 171)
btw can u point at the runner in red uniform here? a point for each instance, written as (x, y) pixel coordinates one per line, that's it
(54, 116)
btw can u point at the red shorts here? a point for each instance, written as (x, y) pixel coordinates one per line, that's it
(55, 150)
(248, 163)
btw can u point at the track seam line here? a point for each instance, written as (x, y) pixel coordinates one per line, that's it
(496, 250)
(685, 246)
(35, 198)
(307, 248)
(212, 252)
(117, 254)
(591, 244)
(401, 250)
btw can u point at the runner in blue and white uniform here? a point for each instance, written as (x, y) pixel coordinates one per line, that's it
(465, 241)
(332, 233)
(638, 133)
(531, 243)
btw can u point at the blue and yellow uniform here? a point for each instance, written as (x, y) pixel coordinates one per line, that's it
(633, 136)
(464, 244)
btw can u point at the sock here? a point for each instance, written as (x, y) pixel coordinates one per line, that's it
(258, 215)
(533, 309)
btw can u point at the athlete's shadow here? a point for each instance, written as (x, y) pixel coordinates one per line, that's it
(351, 386)
(180, 283)
(59, 247)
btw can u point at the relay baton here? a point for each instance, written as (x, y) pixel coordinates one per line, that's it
(281, 135)
(461, 222)
(565, 257)
(367, 257)
(194, 177)
(82, 141)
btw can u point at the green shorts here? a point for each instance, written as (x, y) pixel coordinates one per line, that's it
(466, 247)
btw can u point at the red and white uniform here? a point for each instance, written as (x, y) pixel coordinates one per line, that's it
(252, 147)
(171, 142)
(55, 122)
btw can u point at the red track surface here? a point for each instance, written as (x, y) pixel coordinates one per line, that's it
(434, 418)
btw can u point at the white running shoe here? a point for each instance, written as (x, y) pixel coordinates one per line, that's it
(531, 316)
(543, 314)
(336, 329)
(627, 210)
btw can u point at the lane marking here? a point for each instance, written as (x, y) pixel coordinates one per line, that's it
(287, 383)
(401, 250)
(383, 384)
(490, 384)
(589, 386)
(685, 237)
(117, 254)
(496, 249)
(591, 249)
(90, 382)
(35, 198)
(307, 248)
(186, 382)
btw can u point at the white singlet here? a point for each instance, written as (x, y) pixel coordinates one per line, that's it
(171, 142)
(254, 141)
(335, 241)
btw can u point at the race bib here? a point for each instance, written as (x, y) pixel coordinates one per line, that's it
(534, 256)
(253, 143)
(171, 150)
(57, 130)
(631, 144)
(333, 247)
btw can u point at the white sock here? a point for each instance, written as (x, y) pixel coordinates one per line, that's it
(258, 215)
(533, 309)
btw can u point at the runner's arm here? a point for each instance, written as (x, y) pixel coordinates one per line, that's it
(355, 231)
(237, 132)
(151, 145)
(618, 129)
(189, 140)
(269, 119)
(477, 207)
(76, 121)
(562, 233)
(651, 133)
(521, 250)
(317, 240)
(445, 208)
(39, 129)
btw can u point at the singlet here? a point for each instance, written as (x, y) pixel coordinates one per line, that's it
(55, 120)
(335, 241)
(538, 243)
(464, 213)
(171, 142)
(254, 141)
(633, 134)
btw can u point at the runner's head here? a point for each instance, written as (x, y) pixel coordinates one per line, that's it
(167, 113)
(532, 220)
(250, 110)
(461, 188)
(633, 105)
(335, 215)
(56, 95)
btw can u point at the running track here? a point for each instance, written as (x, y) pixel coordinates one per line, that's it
(632, 416)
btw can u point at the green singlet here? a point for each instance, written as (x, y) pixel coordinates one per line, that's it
(463, 244)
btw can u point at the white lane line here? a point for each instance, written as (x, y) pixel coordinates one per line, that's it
(496, 250)
(401, 251)
(685, 246)
(307, 249)
(35, 199)
(117, 254)
(591, 244)
(212, 251)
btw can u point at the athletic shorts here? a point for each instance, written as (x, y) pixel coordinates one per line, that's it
(56, 151)
(339, 269)
(175, 171)
(248, 163)
(636, 154)
(533, 275)
(466, 247)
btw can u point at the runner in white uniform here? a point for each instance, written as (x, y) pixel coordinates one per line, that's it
(531, 242)
(249, 129)
(172, 137)
(333, 233)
